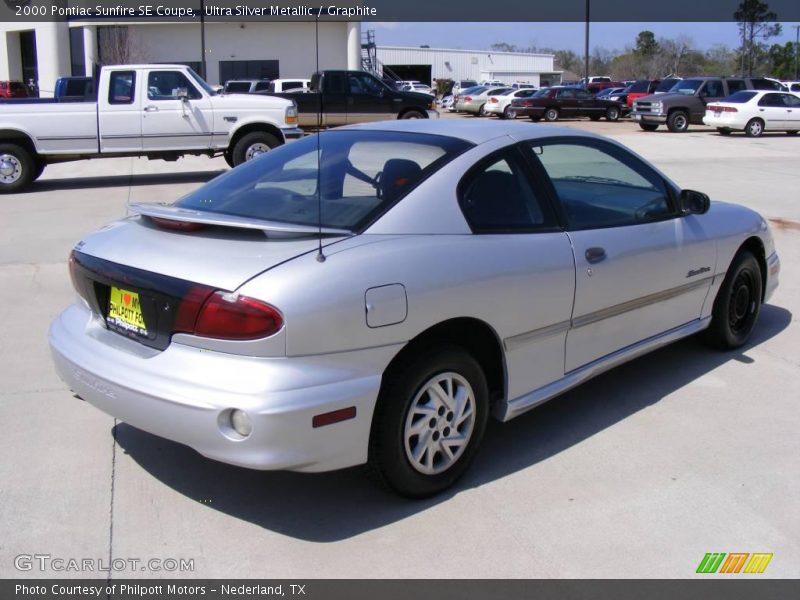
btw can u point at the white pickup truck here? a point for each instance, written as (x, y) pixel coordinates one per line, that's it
(157, 111)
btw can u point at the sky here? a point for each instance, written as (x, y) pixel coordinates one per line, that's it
(559, 36)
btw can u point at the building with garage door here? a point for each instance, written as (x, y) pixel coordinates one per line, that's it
(43, 52)
(428, 64)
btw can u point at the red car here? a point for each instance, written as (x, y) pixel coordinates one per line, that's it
(13, 89)
(644, 87)
(555, 102)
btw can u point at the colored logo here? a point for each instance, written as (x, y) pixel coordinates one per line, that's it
(735, 562)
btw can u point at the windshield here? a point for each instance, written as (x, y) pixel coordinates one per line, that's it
(667, 85)
(467, 83)
(540, 93)
(362, 174)
(201, 82)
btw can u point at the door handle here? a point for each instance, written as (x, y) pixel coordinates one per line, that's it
(595, 254)
(151, 108)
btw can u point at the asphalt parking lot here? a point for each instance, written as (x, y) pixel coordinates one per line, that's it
(637, 473)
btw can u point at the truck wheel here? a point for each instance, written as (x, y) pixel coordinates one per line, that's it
(412, 114)
(228, 158)
(612, 114)
(678, 122)
(17, 168)
(648, 126)
(252, 145)
(551, 114)
(40, 165)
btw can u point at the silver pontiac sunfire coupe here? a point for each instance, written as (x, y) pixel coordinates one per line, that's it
(372, 294)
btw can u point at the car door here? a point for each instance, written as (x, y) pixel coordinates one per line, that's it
(588, 106)
(793, 103)
(515, 229)
(567, 102)
(334, 99)
(176, 115)
(772, 109)
(369, 100)
(641, 267)
(119, 112)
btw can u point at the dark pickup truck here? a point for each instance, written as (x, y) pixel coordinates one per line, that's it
(347, 97)
(685, 103)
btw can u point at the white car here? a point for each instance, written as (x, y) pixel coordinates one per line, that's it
(792, 86)
(754, 112)
(417, 87)
(500, 104)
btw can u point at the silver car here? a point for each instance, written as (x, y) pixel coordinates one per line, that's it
(374, 293)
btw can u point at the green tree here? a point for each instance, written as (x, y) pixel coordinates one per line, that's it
(782, 59)
(646, 44)
(567, 60)
(756, 23)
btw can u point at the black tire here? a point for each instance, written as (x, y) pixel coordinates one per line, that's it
(594, 117)
(509, 113)
(551, 114)
(392, 440)
(791, 132)
(648, 126)
(412, 114)
(40, 165)
(251, 145)
(737, 304)
(754, 128)
(678, 121)
(228, 158)
(17, 168)
(612, 113)
(723, 131)
(482, 110)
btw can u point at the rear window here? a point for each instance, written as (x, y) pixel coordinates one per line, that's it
(638, 86)
(739, 97)
(236, 87)
(358, 175)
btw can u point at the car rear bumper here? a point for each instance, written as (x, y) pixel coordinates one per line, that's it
(185, 394)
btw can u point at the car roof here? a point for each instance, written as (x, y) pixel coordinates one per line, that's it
(475, 132)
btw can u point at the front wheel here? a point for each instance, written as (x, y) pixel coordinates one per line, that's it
(482, 111)
(509, 113)
(17, 168)
(612, 113)
(678, 122)
(737, 304)
(253, 145)
(429, 422)
(413, 114)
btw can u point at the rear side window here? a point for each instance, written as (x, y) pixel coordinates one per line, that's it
(497, 197)
(122, 87)
(740, 97)
(765, 84)
(599, 185)
(736, 85)
(713, 89)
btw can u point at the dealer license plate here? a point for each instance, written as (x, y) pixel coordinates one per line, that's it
(125, 312)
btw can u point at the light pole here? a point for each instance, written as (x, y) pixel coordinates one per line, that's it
(203, 73)
(796, 52)
(586, 46)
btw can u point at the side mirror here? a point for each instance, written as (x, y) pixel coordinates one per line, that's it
(183, 94)
(694, 203)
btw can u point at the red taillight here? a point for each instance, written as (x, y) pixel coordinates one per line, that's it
(467, 98)
(233, 317)
(716, 108)
(176, 225)
(190, 307)
(493, 100)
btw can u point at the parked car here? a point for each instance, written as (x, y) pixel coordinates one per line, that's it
(157, 111)
(493, 83)
(755, 112)
(474, 102)
(500, 104)
(638, 89)
(245, 86)
(345, 97)
(522, 85)
(477, 89)
(446, 102)
(13, 89)
(686, 101)
(420, 88)
(566, 102)
(277, 86)
(792, 86)
(608, 92)
(461, 85)
(445, 271)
